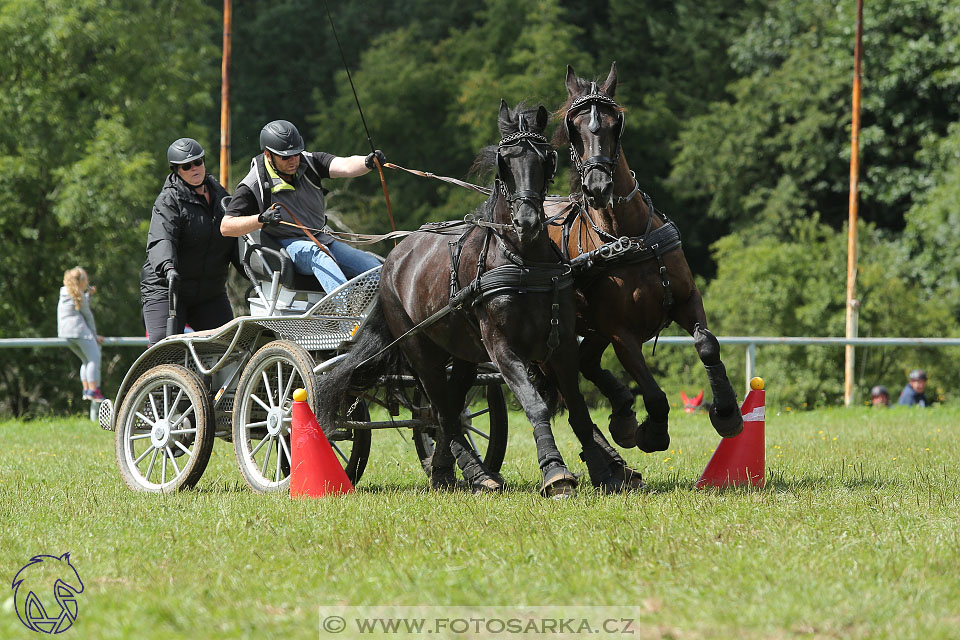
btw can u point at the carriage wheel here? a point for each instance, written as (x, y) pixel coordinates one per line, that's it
(262, 417)
(164, 431)
(485, 428)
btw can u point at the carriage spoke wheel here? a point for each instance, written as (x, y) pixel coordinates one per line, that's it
(164, 431)
(484, 423)
(262, 416)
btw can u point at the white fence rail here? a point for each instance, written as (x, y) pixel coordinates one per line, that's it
(751, 343)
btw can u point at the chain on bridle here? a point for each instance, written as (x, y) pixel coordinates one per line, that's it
(541, 146)
(607, 164)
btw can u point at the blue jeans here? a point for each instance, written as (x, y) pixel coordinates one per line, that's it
(309, 258)
(89, 353)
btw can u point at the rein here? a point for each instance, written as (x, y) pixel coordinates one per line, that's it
(300, 226)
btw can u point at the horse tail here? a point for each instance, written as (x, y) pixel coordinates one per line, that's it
(368, 364)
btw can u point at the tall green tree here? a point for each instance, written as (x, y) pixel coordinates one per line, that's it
(93, 92)
(779, 148)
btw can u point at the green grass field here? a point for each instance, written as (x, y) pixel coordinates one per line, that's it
(855, 536)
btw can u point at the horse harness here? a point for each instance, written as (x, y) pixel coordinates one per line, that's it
(517, 276)
(653, 244)
(607, 164)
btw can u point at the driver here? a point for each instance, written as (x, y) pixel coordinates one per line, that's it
(283, 192)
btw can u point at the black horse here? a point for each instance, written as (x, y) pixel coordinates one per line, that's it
(496, 291)
(631, 274)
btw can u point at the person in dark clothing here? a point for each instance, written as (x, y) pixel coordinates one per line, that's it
(283, 191)
(913, 394)
(185, 245)
(879, 396)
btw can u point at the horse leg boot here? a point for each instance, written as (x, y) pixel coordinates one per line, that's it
(563, 373)
(442, 475)
(478, 477)
(725, 412)
(623, 420)
(558, 482)
(627, 478)
(652, 434)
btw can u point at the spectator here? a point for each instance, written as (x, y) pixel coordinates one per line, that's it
(880, 396)
(185, 245)
(75, 323)
(912, 394)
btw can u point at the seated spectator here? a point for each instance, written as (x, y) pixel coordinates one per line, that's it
(912, 394)
(879, 396)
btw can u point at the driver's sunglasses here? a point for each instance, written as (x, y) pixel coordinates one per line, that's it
(196, 163)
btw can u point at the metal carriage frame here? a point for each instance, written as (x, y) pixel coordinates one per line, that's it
(236, 382)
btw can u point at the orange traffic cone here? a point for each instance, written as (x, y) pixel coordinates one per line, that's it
(314, 468)
(740, 460)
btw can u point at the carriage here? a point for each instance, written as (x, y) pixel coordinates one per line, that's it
(236, 383)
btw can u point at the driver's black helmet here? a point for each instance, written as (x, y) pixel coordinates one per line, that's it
(183, 151)
(282, 138)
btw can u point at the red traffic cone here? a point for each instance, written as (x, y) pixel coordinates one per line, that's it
(740, 460)
(314, 468)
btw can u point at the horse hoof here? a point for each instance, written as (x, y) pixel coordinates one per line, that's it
(729, 425)
(488, 485)
(443, 480)
(653, 436)
(560, 491)
(627, 478)
(558, 483)
(612, 485)
(623, 429)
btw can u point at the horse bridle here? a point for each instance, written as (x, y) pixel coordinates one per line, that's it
(541, 146)
(607, 164)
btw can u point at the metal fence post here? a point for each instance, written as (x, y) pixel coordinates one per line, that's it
(751, 363)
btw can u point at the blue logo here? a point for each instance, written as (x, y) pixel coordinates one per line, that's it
(32, 587)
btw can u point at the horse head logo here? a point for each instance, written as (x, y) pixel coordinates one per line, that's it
(32, 586)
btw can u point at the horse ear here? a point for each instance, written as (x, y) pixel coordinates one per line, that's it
(542, 117)
(573, 82)
(504, 118)
(65, 556)
(610, 84)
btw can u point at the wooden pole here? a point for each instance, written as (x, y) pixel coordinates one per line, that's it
(852, 303)
(225, 96)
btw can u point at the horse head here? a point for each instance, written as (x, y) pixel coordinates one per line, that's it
(526, 163)
(593, 123)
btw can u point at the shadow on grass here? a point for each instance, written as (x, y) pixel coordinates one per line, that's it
(779, 484)
(774, 484)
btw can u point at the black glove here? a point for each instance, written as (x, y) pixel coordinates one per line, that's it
(270, 217)
(369, 160)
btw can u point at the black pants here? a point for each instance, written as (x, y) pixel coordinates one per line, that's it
(209, 313)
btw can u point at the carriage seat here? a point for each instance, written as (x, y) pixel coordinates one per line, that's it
(264, 255)
(277, 288)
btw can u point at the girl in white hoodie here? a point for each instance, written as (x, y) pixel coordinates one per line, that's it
(75, 323)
